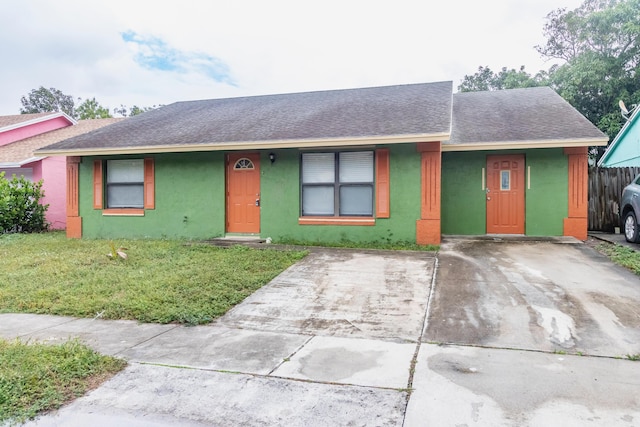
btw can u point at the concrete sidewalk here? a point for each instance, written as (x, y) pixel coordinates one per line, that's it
(214, 375)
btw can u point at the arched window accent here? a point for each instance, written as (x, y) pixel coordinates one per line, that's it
(243, 163)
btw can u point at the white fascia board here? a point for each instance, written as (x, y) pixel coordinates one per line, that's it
(54, 115)
(252, 145)
(519, 145)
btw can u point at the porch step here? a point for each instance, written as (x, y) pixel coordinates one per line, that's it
(236, 240)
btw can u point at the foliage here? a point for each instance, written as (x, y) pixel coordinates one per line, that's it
(599, 43)
(117, 253)
(133, 111)
(20, 208)
(163, 281)
(35, 378)
(622, 255)
(486, 79)
(91, 109)
(43, 100)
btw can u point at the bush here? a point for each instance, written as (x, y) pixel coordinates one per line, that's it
(20, 208)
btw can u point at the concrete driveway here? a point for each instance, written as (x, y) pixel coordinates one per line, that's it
(518, 324)
(486, 332)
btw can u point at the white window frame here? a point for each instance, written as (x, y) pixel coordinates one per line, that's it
(336, 180)
(114, 185)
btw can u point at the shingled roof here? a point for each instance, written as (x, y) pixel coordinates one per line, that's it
(403, 113)
(518, 118)
(16, 119)
(20, 151)
(507, 119)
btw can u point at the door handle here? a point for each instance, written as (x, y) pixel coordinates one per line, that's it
(257, 202)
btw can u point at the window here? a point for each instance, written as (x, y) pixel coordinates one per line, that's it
(505, 180)
(125, 184)
(124, 187)
(338, 184)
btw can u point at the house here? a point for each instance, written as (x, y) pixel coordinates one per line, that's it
(21, 134)
(401, 163)
(624, 150)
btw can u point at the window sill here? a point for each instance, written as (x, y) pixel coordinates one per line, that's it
(123, 212)
(336, 220)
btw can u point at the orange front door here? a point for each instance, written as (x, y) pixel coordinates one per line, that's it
(243, 193)
(505, 194)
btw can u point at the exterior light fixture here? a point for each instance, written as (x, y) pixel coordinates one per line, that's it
(272, 157)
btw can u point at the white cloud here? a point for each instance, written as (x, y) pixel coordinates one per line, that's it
(247, 47)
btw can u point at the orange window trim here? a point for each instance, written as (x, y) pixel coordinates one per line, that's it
(149, 184)
(123, 212)
(333, 220)
(382, 183)
(149, 189)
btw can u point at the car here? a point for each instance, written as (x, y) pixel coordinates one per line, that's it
(630, 210)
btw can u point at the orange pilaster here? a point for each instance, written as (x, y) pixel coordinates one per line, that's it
(428, 226)
(576, 223)
(74, 221)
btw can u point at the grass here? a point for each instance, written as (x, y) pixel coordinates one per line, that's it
(621, 255)
(35, 378)
(385, 245)
(161, 281)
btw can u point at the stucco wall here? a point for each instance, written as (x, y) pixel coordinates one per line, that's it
(281, 207)
(33, 129)
(192, 185)
(53, 174)
(189, 200)
(464, 200)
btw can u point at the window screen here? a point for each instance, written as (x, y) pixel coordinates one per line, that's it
(125, 183)
(337, 184)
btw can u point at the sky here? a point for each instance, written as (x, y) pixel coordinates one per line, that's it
(144, 53)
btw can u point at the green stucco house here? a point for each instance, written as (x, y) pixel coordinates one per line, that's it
(401, 163)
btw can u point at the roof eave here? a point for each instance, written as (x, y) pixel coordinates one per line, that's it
(20, 163)
(625, 128)
(51, 116)
(519, 145)
(249, 145)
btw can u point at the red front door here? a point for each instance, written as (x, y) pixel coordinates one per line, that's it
(505, 194)
(243, 193)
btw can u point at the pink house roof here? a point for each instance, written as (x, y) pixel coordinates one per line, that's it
(22, 126)
(21, 152)
(21, 120)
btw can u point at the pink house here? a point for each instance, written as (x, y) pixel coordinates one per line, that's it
(21, 134)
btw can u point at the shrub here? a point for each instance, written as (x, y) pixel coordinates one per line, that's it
(20, 208)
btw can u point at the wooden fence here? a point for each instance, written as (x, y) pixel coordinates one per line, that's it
(605, 191)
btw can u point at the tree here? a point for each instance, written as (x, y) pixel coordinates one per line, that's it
(43, 100)
(133, 111)
(486, 79)
(599, 43)
(91, 109)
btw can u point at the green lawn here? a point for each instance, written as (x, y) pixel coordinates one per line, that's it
(621, 255)
(161, 281)
(36, 378)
